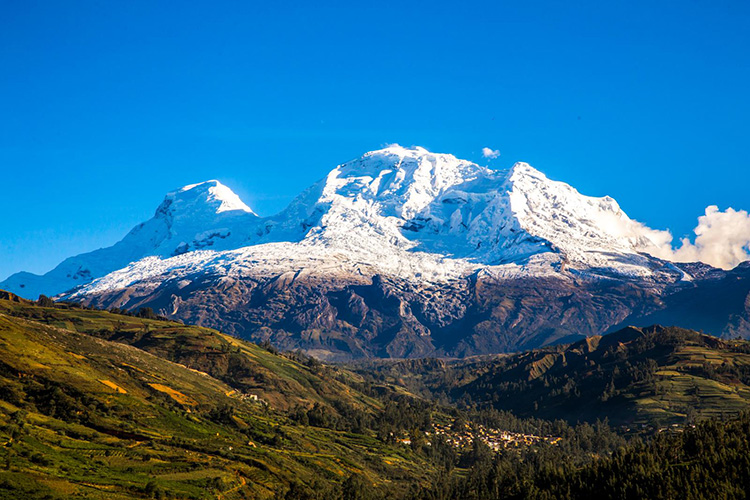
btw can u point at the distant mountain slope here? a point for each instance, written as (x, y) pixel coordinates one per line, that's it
(337, 317)
(719, 305)
(653, 376)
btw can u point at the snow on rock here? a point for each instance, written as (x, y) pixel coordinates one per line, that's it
(400, 211)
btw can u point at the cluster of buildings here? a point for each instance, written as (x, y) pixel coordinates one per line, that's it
(495, 439)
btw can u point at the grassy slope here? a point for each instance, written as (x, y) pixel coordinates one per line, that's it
(247, 367)
(81, 415)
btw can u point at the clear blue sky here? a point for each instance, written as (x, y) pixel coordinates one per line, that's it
(106, 106)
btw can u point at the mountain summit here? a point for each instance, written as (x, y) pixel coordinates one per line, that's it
(203, 199)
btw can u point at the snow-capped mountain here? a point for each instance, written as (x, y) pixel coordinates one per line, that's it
(411, 199)
(396, 210)
(192, 218)
(385, 256)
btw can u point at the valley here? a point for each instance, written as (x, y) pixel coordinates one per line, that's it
(101, 404)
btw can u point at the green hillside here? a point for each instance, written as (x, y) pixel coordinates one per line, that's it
(284, 381)
(652, 376)
(82, 415)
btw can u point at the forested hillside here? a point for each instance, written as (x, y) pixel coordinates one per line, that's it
(711, 460)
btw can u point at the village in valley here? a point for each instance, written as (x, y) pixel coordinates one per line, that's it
(462, 435)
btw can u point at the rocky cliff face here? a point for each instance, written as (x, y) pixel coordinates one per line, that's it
(382, 316)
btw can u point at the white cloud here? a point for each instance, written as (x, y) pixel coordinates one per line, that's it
(490, 153)
(722, 239)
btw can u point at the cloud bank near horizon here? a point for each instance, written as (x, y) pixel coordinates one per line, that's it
(722, 239)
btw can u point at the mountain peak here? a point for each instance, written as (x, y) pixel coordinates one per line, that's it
(203, 216)
(399, 150)
(400, 181)
(211, 196)
(395, 154)
(523, 168)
